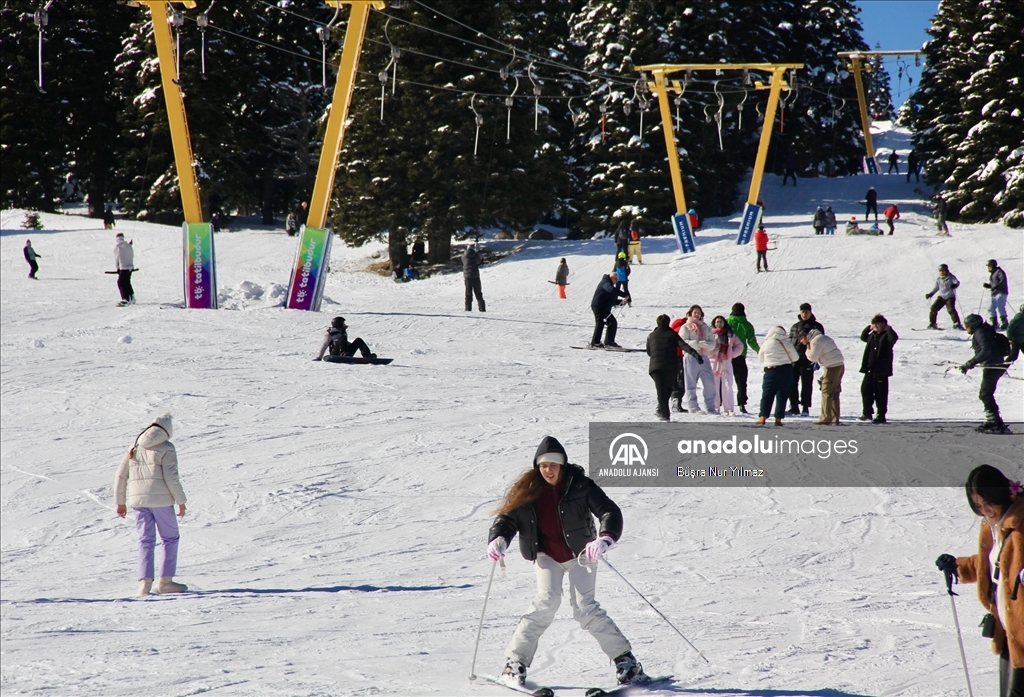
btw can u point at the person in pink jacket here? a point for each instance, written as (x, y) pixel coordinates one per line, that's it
(727, 347)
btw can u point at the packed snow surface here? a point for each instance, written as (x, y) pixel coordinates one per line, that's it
(337, 514)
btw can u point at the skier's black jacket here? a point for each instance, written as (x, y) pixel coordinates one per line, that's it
(983, 341)
(661, 347)
(606, 296)
(878, 352)
(582, 501)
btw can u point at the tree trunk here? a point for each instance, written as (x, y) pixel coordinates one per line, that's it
(440, 248)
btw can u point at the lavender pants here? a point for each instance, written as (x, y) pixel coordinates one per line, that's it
(149, 522)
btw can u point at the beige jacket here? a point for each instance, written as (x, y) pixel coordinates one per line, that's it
(823, 350)
(149, 479)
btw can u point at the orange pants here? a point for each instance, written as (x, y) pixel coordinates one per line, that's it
(561, 292)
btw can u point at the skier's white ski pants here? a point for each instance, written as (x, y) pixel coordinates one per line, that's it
(585, 610)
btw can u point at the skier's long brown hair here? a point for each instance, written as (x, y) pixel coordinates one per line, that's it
(525, 490)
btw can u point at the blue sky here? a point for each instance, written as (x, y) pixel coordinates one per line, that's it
(897, 25)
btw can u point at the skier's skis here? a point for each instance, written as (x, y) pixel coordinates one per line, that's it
(927, 329)
(627, 689)
(528, 689)
(610, 348)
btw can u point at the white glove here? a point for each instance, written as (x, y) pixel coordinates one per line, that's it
(598, 547)
(496, 550)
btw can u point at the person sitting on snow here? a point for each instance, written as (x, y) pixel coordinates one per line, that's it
(336, 341)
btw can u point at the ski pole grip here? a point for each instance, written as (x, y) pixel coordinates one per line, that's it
(949, 581)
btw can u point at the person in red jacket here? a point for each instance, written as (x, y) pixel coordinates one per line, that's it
(891, 213)
(761, 245)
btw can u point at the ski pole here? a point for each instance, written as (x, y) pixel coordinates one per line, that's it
(699, 652)
(472, 668)
(956, 622)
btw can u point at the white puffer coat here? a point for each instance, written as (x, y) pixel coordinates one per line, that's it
(777, 349)
(823, 350)
(124, 255)
(150, 478)
(698, 334)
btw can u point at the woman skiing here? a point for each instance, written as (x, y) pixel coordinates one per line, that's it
(727, 347)
(553, 507)
(147, 481)
(698, 334)
(996, 568)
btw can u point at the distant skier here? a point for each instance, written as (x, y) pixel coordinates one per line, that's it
(337, 343)
(830, 221)
(124, 264)
(30, 257)
(301, 215)
(621, 240)
(894, 161)
(941, 209)
(777, 356)
(745, 331)
(871, 197)
(913, 166)
(891, 214)
(945, 285)
(662, 346)
(997, 568)
(605, 298)
(727, 348)
(108, 217)
(147, 481)
(1000, 289)
(876, 365)
(823, 350)
(761, 247)
(698, 335)
(634, 243)
(471, 259)
(694, 220)
(789, 169)
(819, 221)
(291, 224)
(992, 360)
(622, 272)
(562, 278)
(552, 507)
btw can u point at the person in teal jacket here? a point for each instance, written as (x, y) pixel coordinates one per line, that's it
(745, 332)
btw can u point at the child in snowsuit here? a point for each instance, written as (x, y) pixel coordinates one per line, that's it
(945, 285)
(891, 213)
(562, 278)
(30, 257)
(727, 347)
(147, 481)
(622, 272)
(336, 341)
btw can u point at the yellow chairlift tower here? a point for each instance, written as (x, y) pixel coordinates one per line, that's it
(309, 274)
(661, 87)
(856, 66)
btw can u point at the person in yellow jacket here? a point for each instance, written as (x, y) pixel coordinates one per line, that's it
(996, 568)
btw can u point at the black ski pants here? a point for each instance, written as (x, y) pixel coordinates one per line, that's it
(950, 303)
(1011, 680)
(356, 345)
(762, 255)
(124, 284)
(679, 388)
(987, 395)
(803, 385)
(872, 206)
(473, 287)
(789, 173)
(33, 267)
(874, 392)
(604, 319)
(739, 371)
(664, 381)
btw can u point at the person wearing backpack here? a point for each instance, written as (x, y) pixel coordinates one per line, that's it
(336, 341)
(819, 223)
(634, 243)
(990, 351)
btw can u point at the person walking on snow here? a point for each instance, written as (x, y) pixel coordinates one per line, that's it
(552, 507)
(997, 568)
(876, 364)
(992, 360)
(147, 482)
(634, 243)
(823, 350)
(727, 347)
(803, 379)
(830, 221)
(761, 247)
(872, 200)
(562, 278)
(698, 335)
(913, 166)
(336, 341)
(663, 346)
(30, 257)
(777, 356)
(605, 298)
(471, 275)
(891, 213)
(941, 209)
(945, 285)
(1000, 289)
(124, 264)
(894, 162)
(819, 221)
(745, 332)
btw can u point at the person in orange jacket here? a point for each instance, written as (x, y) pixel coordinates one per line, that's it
(891, 213)
(761, 246)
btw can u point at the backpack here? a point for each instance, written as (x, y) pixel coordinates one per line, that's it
(634, 235)
(338, 343)
(1002, 345)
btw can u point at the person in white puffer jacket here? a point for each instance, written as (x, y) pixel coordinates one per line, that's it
(822, 349)
(697, 334)
(147, 481)
(777, 356)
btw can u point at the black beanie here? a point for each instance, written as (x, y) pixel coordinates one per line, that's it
(739, 310)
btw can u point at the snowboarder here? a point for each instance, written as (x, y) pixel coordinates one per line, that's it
(562, 278)
(789, 169)
(992, 359)
(745, 331)
(941, 208)
(552, 507)
(622, 272)
(108, 217)
(830, 221)
(147, 481)
(30, 257)
(945, 285)
(697, 334)
(894, 162)
(727, 347)
(876, 365)
(634, 243)
(891, 214)
(1000, 289)
(621, 240)
(663, 345)
(871, 197)
(823, 350)
(336, 341)
(913, 166)
(291, 224)
(761, 247)
(471, 276)
(605, 297)
(777, 356)
(803, 380)
(996, 568)
(124, 264)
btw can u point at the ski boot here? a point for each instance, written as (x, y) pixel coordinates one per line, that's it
(994, 427)
(595, 346)
(611, 344)
(959, 326)
(932, 326)
(628, 670)
(514, 673)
